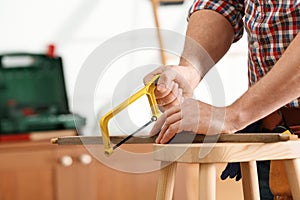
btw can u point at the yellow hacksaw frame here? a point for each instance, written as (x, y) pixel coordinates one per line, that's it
(147, 90)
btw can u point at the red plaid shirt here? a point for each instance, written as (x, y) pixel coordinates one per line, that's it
(271, 26)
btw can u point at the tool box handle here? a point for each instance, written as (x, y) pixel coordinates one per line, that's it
(13, 60)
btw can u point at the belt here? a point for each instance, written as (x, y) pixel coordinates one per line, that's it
(289, 117)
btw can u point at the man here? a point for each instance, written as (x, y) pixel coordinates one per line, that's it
(273, 62)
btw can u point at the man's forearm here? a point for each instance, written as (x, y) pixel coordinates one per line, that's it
(280, 86)
(210, 32)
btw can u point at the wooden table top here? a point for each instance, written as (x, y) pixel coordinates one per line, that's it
(227, 152)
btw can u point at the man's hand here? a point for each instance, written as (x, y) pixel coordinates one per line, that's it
(192, 115)
(174, 85)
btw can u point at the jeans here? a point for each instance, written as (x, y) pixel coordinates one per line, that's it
(263, 171)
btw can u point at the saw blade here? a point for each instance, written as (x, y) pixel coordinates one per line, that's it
(153, 118)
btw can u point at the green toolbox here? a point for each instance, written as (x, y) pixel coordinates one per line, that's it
(33, 95)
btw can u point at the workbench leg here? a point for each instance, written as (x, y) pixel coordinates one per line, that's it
(293, 173)
(207, 182)
(250, 180)
(192, 181)
(166, 181)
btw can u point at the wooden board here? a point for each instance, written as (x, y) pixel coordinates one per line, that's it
(179, 139)
(226, 152)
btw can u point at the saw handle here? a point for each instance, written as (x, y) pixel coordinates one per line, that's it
(147, 90)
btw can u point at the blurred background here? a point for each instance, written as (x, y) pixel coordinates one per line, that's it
(76, 28)
(62, 34)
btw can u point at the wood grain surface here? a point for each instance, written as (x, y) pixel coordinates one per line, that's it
(181, 138)
(226, 152)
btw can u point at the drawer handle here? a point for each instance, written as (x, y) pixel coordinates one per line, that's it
(85, 159)
(66, 161)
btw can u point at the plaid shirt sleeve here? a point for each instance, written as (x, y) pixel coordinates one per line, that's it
(232, 10)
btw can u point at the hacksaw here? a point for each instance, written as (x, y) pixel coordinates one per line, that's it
(147, 90)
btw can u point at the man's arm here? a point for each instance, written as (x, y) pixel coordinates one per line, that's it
(210, 30)
(276, 89)
(280, 86)
(209, 36)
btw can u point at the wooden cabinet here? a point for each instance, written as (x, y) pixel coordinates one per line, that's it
(40, 170)
(26, 172)
(74, 177)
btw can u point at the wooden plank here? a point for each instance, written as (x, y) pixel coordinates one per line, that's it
(178, 139)
(226, 152)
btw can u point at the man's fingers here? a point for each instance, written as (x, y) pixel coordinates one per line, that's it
(180, 80)
(157, 126)
(158, 138)
(170, 105)
(169, 74)
(177, 101)
(160, 124)
(165, 81)
(180, 97)
(170, 97)
(169, 121)
(172, 117)
(172, 110)
(162, 94)
(148, 77)
(170, 132)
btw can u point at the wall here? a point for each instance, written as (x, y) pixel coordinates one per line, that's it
(77, 27)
